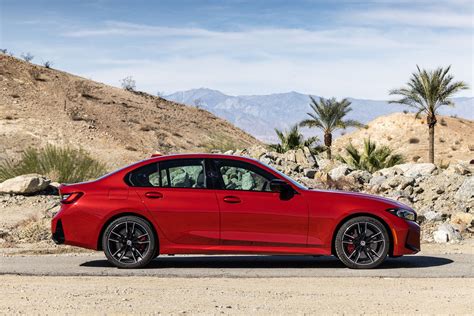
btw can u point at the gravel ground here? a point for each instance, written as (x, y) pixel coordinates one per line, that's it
(259, 296)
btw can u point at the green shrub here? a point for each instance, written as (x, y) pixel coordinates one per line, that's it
(64, 165)
(371, 158)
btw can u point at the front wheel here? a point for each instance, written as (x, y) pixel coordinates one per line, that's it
(129, 242)
(362, 243)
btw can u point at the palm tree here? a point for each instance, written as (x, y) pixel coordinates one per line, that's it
(427, 91)
(293, 139)
(328, 115)
(372, 157)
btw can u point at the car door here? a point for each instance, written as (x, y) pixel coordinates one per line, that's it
(253, 215)
(177, 195)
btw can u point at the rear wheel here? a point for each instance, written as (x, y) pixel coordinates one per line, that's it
(129, 242)
(362, 243)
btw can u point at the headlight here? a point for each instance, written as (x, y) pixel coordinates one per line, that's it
(403, 213)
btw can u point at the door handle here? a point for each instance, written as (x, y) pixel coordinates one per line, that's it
(154, 195)
(231, 199)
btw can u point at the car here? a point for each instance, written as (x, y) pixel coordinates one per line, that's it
(223, 204)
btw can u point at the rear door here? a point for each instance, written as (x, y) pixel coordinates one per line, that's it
(252, 215)
(177, 195)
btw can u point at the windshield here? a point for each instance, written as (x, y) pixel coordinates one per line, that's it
(297, 184)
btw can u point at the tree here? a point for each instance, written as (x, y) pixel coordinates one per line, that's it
(128, 83)
(427, 91)
(372, 157)
(293, 139)
(328, 115)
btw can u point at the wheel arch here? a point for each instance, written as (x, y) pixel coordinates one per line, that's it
(360, 214)
(128, 213)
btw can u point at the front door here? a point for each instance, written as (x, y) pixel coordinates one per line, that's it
(251, 214)
(176, 193)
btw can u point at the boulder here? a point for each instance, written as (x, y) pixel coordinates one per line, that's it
(377, 180)
(415, 170)
(465, 192)
(432, 216)
(310, 173)
(300, 157)
(339, 172)
(25, 184)
(256, 151)
(361, 176)
(309, 157)
(458, 168)
(446, 233)
(462, 218)
(399, 182)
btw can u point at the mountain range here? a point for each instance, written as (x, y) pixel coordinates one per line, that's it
(259, 115)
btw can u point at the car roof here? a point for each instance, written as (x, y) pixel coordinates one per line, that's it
(196, 156)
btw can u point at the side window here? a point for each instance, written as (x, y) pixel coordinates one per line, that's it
(238, 175)
(146, 176)
(183, 173)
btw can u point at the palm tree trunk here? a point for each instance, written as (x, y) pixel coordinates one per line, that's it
(431, 120)
(328, 143)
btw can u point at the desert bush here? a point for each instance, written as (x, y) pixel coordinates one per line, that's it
(222, 145)
(471, 147)
(48, 64)
(3, 51)
(371, 158)
(64, 165)
(414, 140)
(442, 140)
(443, 122)
(128, 83)
(27, 57)
(405, 112)
(36, 74)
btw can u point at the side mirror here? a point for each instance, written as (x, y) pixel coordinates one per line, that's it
(280, 186)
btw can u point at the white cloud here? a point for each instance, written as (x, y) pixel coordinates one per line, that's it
(371, 53)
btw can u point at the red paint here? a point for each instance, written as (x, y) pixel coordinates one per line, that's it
(210, 221)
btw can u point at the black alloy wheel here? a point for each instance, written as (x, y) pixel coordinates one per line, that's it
(129, 242)
(362, 243)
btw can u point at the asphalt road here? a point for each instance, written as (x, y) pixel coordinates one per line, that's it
(418, 266)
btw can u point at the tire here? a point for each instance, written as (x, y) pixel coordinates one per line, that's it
(362, 243)
(129, 242)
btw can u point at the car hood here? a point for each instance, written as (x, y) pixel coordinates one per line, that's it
(362, 196)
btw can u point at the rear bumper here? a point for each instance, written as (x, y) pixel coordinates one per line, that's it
(57, 232)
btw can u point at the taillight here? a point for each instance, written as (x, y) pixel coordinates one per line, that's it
(69, 198)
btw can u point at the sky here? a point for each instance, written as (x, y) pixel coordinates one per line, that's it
(348, 48)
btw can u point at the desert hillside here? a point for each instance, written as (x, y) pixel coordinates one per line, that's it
(409, 136)
(40, 106)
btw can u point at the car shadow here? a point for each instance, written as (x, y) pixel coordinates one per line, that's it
(274, 262)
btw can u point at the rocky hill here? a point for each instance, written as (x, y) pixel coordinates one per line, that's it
(40, 106)
(409, 137)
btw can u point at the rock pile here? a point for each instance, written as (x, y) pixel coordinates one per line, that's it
(443, 198)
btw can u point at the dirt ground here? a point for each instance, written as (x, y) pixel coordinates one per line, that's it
(273, 296)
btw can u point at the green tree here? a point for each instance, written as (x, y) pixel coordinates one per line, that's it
(328, 115)
(293, 139)
(427, 91)
(371, 158)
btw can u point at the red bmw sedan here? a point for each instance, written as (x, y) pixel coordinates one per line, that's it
(219, 204)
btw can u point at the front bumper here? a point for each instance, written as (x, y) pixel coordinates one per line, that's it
(406, 239)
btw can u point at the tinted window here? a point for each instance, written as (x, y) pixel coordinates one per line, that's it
(183, 173)
(236, 175)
